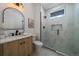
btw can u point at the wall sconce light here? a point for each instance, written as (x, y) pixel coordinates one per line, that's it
(19, 4)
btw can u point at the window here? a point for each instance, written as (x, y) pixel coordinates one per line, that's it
(57, 13)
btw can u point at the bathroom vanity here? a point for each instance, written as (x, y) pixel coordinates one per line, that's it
(20, 45)
(15, 45)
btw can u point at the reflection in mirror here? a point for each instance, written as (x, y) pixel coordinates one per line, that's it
(13, 19)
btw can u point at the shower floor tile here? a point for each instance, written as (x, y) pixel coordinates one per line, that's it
(46, 52)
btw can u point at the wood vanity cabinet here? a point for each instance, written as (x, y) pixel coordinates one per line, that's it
(21, 47)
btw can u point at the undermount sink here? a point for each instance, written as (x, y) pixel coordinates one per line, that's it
(2, 36)
(27, 34)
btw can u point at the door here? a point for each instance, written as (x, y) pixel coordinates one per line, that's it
(23, 49)
(29, 45)
(10, 49)
(49, 35)
(52, 31)
(1, 49)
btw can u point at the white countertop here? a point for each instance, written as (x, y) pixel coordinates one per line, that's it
(12, 38)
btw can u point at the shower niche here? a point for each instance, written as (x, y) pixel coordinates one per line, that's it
(55, 27)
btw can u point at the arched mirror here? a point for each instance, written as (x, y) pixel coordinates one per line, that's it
(13, 19)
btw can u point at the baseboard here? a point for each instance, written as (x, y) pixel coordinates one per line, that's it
(62, 53)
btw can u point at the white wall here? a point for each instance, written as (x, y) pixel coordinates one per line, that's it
(43, 13)
(32, 10)
(29, 13)
(2, 7)
(43, 21)
(37, 20)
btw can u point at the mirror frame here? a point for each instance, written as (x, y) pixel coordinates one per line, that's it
(23, 26)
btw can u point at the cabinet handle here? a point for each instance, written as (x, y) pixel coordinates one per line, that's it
(22, 43)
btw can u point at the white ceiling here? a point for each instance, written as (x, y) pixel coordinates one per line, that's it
(47, 6)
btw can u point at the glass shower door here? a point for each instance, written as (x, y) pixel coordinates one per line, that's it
(67, 41)
(48, 35)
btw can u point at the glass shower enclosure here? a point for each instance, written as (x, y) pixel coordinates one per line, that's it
(61, 33)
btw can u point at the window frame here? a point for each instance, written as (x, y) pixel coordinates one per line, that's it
(56, 13)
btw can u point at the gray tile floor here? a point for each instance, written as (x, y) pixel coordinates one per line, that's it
(46, 52)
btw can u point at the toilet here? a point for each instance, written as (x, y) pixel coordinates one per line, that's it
(37, 44)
